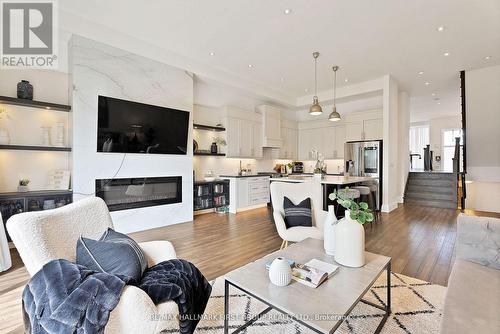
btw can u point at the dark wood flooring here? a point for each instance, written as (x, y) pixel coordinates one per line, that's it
(420, 240)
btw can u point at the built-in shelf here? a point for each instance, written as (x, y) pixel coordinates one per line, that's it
(35, 148)
(210, 154)
(208, 127)
(34, 104)
(36, 193)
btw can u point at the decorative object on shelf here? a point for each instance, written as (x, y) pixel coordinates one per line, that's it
(59, 140)
(25, 90)
(23, 185)
(209, 176)
(49, 204)
(289, 168)
(45, 135)
(4, 133)
(320, 167)
(280, 273)
(213, 148)
(315, 108)
(334, 115)
(349, 232)
(58, 179)
(329, 231)
(195, 146)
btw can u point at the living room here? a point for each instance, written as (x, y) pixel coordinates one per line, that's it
(142, 145)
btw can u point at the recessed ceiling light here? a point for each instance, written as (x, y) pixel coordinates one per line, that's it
(250, 65)
(439, 102)
(421, 72)
(282, 79)
(287, 11)
(441, 28)
(446, 54)
(346, 80)
(212, 53)
(427, 83)
(487, 58)
(306, 90)
(433, 94)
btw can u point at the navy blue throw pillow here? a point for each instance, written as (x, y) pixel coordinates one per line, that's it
(114, 253)
(297, 215)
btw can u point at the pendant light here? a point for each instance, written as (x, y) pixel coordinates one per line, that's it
(315, 109)
(334, 116)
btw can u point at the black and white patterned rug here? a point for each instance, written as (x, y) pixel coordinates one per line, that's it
(416, 308)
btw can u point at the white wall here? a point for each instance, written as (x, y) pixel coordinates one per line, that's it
(98, 69)
(482, 89)
(24, 127)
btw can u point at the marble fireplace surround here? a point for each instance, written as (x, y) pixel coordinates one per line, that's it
(99, 69)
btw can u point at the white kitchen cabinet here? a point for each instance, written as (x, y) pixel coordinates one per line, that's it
(248, 192)
(354, 131)
(244, 138)
(257, 140)
(329, 147)
(340, 140)
(289, 144)
(372, 129)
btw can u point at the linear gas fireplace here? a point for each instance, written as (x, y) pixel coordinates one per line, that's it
(130, 193)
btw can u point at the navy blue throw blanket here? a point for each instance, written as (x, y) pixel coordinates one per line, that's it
(64, 297)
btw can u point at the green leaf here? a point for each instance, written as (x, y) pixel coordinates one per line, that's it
(354, 205)
(354, 215)
(361, 220)
(333, 196)
(370, 217)
(363, 205)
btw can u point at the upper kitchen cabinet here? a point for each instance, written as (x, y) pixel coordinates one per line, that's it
(289, 145)
(271, 126)
(364, 126)
(372, 129)
(244, 133)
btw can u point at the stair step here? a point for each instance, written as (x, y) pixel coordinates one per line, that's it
(431, 182)
(432, 203)
(430, 188)
(430, 196)
(433, 176)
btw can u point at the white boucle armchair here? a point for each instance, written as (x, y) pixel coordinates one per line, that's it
(297, 192)
(43, 236)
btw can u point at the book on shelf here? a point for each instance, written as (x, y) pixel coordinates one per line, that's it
(314, 272)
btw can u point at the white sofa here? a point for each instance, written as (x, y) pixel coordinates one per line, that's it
(297, 192)
(47, 235)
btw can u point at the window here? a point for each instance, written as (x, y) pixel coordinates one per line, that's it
(449, 136)
(419, 139)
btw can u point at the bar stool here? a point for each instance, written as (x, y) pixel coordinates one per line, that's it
(374, 189)
(367, 196)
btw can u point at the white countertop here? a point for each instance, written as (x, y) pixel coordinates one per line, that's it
(340, 180)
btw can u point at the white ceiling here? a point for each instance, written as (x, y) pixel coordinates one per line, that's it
(366, 38)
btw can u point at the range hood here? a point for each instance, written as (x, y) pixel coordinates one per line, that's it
(271, 126)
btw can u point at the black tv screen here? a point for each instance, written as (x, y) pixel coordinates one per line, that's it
(132, 127)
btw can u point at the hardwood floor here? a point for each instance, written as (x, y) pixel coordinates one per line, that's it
(420, 240)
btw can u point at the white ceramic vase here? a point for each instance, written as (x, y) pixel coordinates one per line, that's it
(349, 242)
(329, 228)
(280, 272)
(4, 137)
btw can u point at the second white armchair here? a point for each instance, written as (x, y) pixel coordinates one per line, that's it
(297, 192)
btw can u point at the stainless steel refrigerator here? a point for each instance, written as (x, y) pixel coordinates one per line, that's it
(364, 158)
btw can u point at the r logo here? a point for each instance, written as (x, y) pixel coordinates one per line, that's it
(27, 28)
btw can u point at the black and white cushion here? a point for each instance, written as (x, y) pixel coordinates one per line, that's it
(297, 215)
(114, 253)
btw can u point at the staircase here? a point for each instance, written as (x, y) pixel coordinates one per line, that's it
(434, 189)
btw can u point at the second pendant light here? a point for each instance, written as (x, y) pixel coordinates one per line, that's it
(334, 115)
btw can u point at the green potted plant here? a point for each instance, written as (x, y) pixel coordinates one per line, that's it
(23, 185)
(349, 232)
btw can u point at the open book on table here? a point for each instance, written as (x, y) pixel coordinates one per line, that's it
(314, 272)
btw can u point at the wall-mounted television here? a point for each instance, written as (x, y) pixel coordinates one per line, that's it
(132, 127)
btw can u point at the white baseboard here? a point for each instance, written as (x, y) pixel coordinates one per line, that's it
(388, 208)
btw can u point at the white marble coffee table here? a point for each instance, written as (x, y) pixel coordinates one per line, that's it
(322, 309)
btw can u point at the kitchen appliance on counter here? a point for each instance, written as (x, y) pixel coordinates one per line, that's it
(364, 158)
(298, 167)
